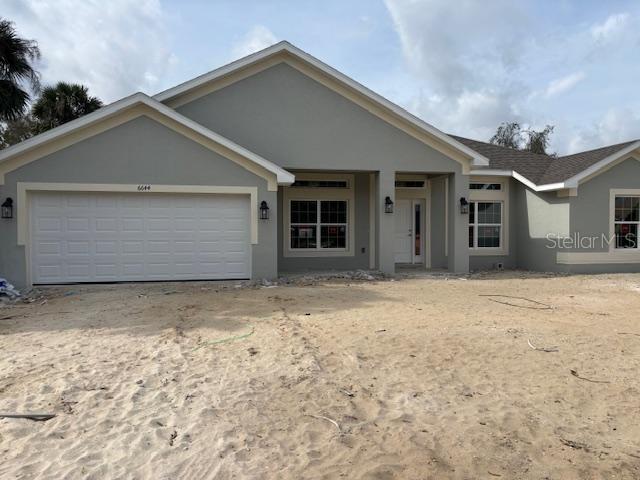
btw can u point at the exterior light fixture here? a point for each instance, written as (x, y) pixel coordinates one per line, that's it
(7, 208)
(264, 210)
(388, 205)
(464, 206)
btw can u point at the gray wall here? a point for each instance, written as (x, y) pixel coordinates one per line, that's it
(538, 214)
(360, 259)
(298, 123)
(585, 215)
(140, 151)
(438, 223)
(590, 209)
(590, 212)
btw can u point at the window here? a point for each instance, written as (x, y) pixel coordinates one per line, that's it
(626, 221)
(485, 186)
(321, 183)
(485, 224)
(409, 183)
(318, 224)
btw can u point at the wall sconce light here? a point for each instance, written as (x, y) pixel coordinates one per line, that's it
(464, 206)
(7, 208)
(388, 205)
(264, 210)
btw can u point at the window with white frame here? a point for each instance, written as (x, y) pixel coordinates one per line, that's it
(485, 186)
(485, 224)
(626, 220)
(318, 224)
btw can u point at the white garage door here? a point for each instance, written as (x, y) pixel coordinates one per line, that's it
(105, 237)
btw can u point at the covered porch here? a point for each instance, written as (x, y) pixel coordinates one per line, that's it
(373, 220)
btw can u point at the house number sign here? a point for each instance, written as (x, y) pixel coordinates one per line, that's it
(144, 188)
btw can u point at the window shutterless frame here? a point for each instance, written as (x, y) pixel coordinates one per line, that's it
(319, 194)
(475, 225)
(626, 222)
(491, 194)
(316, 225)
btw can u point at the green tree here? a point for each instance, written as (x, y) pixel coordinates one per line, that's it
(62, 103)
(538, 141)
(512, 135)
(17, 72)
(508, 134)
(16, 131)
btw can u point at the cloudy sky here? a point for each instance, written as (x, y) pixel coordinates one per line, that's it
(463, 66)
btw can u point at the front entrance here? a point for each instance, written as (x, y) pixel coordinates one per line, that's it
(409, 235)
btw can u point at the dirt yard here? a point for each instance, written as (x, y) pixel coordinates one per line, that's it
(417, 378)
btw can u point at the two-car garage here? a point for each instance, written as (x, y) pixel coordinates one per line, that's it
(136, 192)
(142, 236)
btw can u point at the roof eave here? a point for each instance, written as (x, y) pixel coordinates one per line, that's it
(283, 177)
(522, 179)
(600, 165)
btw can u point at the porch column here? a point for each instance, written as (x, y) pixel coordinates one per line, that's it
(458, 247)
(386, 224)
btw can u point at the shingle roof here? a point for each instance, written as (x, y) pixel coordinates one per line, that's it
(570, 165)
(538, 168)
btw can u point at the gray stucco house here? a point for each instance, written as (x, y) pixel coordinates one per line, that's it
(278, 163)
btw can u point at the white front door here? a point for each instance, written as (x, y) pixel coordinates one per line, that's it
(108, 237)
(404, 230)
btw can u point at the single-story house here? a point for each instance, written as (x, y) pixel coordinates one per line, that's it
(279, 163)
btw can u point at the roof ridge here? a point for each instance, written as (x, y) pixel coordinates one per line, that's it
(545, 155)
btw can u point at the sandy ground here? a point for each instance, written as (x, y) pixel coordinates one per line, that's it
(415, 378)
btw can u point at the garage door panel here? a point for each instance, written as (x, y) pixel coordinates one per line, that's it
(77, 271)
(93, 237)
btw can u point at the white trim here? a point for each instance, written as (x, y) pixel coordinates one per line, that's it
(421, 196)
(512, 173)
(568, 192)
(299, 55)
(501, 196)
(571, 183)
(319, 194)
(613, 193)
(24, 199)
(601, 166)
(596, 258)
(59, 133)
(23, 188)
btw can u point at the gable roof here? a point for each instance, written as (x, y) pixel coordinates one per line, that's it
(569, 166)
(545, 172)
(15, 152)
(530, 165)
(289, 51)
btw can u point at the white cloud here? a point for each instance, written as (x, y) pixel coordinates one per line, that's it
(613, 26)
(477, 42)
(115, 48)
(616, 126)
(561, 85)
(258, 38)
(474, 65)
(465, 64)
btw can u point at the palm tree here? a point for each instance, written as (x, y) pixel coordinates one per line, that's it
(16, 71)
(62, 103)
